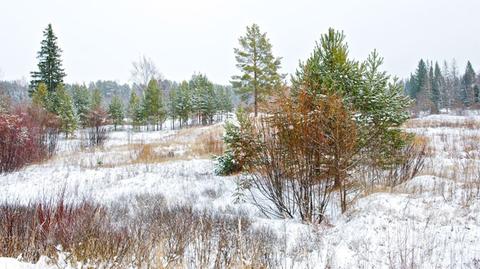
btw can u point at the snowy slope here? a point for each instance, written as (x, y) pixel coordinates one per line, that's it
(432, 221)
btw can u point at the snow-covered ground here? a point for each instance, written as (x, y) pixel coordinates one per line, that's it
(432, 221)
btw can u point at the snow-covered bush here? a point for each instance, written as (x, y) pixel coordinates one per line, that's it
(232, 160)
(299, 156)
(26, 136)
(338, 115)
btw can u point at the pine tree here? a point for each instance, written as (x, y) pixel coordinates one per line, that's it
(96, 100)
(183, 103)
(172, 105)
(81, 102)
(115, 111)
(224, 99)
(153, 103)
(68, 122)
(204, 99)
(135, 111)
(467, 93)
(50, 70)
(376, 99)
(259, 68)
(40, 96)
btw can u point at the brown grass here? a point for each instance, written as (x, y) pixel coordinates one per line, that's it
(209, 143)
(142, 232)
(422, 123)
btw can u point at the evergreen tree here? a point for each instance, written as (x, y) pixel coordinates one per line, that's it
(50, 70)
(172, 105)
(467, 93)
(224, 99)
(259, 68)
(161, 114)
(81, 101)
(40, 96)
(64, 109)
(438, 84)
(420, 79)
(96, 100)
(376, 99)
(153, 104)
(135, 111)
(115, 111)
(183, 102)
(204, 99)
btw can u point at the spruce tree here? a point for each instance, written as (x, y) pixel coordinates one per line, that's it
(50, 70)
(420, 79)
(81, 101)
(438, 84)
(259, 68)
(115, 111)
(467, 93)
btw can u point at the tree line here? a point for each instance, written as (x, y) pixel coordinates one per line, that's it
(435, 87)
(151, 100)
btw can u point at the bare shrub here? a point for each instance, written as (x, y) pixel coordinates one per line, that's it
(410, 161)
(97, 132)
(38, 228)
(143, 232)
(26, 136)
(298, 156)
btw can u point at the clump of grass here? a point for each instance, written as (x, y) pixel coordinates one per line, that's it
(209, 143)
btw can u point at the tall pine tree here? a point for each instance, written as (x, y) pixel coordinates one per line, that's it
(259, 68)
(50, 70)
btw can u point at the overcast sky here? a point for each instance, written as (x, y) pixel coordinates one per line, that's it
(101, 38)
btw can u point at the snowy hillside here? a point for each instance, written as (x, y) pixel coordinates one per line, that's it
(432, 221)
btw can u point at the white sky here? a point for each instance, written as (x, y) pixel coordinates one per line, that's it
(100, 38)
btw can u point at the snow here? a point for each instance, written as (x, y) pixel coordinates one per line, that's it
(11, 263)
(432, 221)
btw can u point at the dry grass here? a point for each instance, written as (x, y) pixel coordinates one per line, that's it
(422, 123)
(141, 232)
(209, 143)
(205, 144)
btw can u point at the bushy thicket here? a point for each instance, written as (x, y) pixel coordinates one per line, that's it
(26, 135)
(143, 233)
(339, 116)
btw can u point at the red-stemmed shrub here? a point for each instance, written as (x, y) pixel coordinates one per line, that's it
(26, 135)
